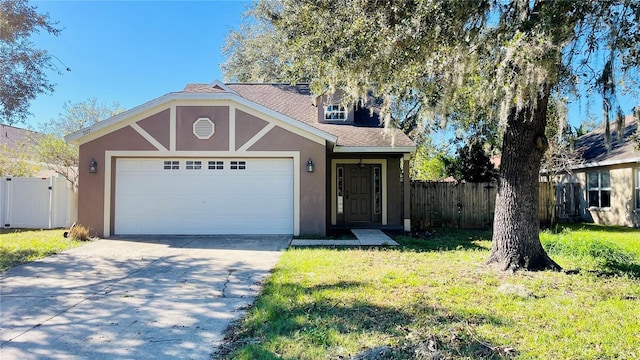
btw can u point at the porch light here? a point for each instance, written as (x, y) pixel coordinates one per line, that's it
(309, 165)
(93, 166)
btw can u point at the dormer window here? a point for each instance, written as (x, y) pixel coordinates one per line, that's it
(335, 112)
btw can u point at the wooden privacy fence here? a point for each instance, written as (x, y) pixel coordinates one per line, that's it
(463, 205)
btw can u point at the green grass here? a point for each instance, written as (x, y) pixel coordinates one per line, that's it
(22, 246)
(604, 249)
(435, 298)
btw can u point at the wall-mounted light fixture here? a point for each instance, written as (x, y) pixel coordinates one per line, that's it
(93, 166)
(309, 165)
(361, 164)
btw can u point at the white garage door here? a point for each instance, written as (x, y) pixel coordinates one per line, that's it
(204, 196)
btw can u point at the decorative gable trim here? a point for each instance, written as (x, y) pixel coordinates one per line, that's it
(169, 101)
(222, 86)
(148, 137)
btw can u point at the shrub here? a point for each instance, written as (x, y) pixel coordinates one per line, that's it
(79, 232)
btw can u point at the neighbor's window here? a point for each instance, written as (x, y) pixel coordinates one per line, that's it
(599, 189)
(637, 188)
(335, 112)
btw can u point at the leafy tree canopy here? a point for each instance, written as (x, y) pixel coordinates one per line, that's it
(60, 156)
(471, 164)
(23, 75)
(491, 60)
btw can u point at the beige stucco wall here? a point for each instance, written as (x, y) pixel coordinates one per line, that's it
(186, 115)
(622, 211)
(247, 126)
(91, 186)
(312, 185)
(91, 192)
(157, 126)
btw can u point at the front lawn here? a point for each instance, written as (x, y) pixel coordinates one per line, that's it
(22, 246)
(434, 298)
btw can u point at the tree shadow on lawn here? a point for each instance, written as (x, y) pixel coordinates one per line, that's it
(613, 270)
(324, 324)
(13, 258)
(442, 239)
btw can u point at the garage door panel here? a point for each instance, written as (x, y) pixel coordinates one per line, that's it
(254, 200)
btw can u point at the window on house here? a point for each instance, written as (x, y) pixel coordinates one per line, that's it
(340, 189)
(194, 165)
(238, 165)
(599, 189)
(377, 190)
(637, 188)
(335, 112)
(216, 165)
(172, 165)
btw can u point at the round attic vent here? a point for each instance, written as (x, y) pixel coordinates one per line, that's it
(203, 128)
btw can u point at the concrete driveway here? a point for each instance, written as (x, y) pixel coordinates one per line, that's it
(148, 298)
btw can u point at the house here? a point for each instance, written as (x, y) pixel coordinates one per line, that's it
(604, 187)
(242, 159)
(16, 148)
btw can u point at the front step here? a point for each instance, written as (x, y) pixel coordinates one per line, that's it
(364, 237)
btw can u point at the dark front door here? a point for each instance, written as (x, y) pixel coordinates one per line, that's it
(357, 202)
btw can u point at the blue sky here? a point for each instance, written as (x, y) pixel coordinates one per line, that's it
(132, 52)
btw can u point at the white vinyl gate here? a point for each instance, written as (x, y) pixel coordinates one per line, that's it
(36, 203)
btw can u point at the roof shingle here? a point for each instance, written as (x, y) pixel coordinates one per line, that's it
(593, 149)
(297, 102)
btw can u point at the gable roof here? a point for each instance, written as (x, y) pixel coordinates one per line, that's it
(297, 102)
(593, 150)
(292, 104)
(205, 92)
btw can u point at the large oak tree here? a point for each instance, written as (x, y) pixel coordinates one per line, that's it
(503, 58)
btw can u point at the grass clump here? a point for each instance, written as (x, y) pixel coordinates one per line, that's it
(588, 248)
(22, 246)
(80, 233)
(433, 298)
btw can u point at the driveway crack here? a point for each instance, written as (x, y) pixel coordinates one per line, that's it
(98, 293)
(226, 282)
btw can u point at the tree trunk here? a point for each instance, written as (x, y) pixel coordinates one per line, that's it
(516, 224)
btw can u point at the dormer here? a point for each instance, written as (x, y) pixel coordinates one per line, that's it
(331, 111)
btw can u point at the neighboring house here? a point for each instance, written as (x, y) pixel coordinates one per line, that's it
(16, 141)
(242, 159)
(605, 187)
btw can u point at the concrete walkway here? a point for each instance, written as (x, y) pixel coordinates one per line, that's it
(365, 237)
(149, 298)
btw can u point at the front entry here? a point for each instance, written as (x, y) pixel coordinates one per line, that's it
(357, 193)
